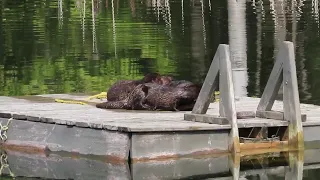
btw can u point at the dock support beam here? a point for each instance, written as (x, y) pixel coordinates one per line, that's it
(284, 70)
(220, 66)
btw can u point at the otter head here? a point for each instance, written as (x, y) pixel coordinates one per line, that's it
(151, 77)
(165, 80)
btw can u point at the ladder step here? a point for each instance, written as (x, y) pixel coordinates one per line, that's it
(215, 119)
(259, 140)
(263, 145)
(277, 115)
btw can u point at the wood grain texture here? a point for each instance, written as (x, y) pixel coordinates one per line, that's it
(209, 85)
(66, 166)
(276, 115)
(291, 102)
(227, 107)
(140, 121)
(57, 138)
(273, 85)
(171, 145)
(184, 168)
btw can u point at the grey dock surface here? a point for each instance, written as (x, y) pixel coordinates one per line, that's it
(145, 135)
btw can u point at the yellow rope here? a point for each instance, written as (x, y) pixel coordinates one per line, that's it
(97, 96)
(69, 102)
(101, 95)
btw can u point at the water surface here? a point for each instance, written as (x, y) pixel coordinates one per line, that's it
(71, 46)
(83, 46)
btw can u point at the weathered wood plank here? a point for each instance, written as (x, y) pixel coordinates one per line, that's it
(295, 169)
(215, 119)
(234, 164)
(273, 85)
(167, 145)
(210, 83)
(227, 107)
(245, 114)
(276, 115)
(181, 168)
(58, 166)
(206, 119)
(62, 138)
(291, 102)
(140, 121)
(270, 115)
(311, 137)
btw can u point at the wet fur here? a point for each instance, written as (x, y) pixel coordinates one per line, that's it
(173, 97)
(154, 92)
(134, 101)
(121, 89)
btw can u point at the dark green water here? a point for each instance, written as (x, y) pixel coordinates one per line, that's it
(70, 46)
(73, 46)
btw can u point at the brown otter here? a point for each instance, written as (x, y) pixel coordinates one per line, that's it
(133, 101)
(121, 89)
(179, 96)
(152, 96)
(153, 92)
(193, 90)
(164, 80)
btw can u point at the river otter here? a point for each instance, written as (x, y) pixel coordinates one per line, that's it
(178, 95)
(153, 92)
(152, 96)
(134, 101)
(121, 89)
(164, 80)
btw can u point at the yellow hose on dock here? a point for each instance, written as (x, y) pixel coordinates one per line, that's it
(69, 102)
(97, 96)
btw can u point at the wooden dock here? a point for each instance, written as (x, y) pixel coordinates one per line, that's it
(61, 166)
(234, 124)
(85, 129)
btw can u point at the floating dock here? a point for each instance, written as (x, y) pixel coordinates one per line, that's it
(147, 140)
(63, 166)
(232, 125)
(40, 124)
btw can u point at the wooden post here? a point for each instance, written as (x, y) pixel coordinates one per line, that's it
(227, 107)
(227, 110)
(291, 102)
(234, 165)
(284, 70)
(273, 85)
(295, 169)
(209, 85)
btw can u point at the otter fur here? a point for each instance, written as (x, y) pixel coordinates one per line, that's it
(153, 92)
(121, 89)
(134, 100)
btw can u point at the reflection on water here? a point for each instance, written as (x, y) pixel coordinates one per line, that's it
(66, 46)
(272, 166)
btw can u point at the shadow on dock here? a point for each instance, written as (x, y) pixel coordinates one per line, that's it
(23, 165)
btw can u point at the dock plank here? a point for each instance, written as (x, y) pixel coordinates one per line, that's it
(137, 121)
(64, 166)
(61, 138)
